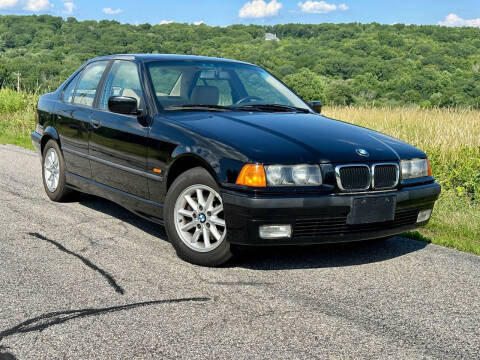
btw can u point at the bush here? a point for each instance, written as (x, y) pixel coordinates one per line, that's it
(12, 101)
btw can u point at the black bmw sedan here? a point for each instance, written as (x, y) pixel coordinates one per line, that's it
(222, 153)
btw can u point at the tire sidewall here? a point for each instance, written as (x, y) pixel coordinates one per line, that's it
(61, 190)
(215, 257)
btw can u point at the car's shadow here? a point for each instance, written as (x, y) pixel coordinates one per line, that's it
(115, 210)
(281, 257)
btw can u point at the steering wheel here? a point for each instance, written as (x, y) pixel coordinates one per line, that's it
(247, 99)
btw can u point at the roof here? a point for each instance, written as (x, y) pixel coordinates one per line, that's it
(165, 57)
(270, 36)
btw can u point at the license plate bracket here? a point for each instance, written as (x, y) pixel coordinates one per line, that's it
(372, 209)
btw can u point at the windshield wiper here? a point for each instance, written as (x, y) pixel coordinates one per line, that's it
(198, 107)
(271, 107)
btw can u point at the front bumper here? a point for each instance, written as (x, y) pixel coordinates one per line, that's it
(36, 141)
(319, 218)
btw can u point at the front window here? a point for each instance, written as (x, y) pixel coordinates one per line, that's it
(222, 85)
(122, 80)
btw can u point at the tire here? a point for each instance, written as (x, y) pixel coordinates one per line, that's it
(187, 227)
(53, 164)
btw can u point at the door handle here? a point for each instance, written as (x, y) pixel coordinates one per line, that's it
(96, 123)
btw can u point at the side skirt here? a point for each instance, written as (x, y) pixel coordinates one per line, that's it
(144, 208)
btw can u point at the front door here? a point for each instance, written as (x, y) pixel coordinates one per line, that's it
(118, 143)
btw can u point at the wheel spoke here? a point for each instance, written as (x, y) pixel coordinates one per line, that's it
(188, 226)
(217, 221)
(206, 237)
(200, 199)
(217, 209)
(191, 202)
(196, 236)
(215, 233)
(186, 213)
(209, 202)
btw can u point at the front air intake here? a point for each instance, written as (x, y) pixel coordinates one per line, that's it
(353, 177)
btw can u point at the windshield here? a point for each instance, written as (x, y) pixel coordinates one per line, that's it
(190, 84)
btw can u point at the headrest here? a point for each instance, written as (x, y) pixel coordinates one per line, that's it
(205, 95)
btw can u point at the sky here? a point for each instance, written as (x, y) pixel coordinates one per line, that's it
(263, 12)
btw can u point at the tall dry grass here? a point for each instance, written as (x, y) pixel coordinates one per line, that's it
(446, 130)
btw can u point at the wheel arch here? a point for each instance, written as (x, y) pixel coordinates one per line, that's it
(186, 162)
(49, 134)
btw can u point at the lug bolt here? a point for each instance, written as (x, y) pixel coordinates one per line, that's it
(208, 225)
(209, 213)
(200, 208)
(199, 226)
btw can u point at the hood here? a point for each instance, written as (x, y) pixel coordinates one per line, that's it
(292, 138)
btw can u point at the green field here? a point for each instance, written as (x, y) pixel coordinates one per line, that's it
(451, 138)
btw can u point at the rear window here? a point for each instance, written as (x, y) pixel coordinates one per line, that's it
(87, 85)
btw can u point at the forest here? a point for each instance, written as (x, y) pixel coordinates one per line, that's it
(340, 64)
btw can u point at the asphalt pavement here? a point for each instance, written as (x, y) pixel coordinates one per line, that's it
(89, 280)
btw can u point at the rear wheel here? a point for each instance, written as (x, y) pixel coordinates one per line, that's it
(53, 172)
(194, 219)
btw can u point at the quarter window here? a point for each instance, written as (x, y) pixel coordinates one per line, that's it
(87, 85)
(123, 80)
(68, 92)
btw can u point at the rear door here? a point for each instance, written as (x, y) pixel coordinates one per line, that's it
(118, 143)
(73, 117)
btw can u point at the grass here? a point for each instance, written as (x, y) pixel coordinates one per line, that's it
(17, 117)
(450, 137)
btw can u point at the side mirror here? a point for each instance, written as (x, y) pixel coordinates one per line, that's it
(316, 106)
(123, 105)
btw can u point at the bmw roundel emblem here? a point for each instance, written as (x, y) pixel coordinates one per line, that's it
(362, 152)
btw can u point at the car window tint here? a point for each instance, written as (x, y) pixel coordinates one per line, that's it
(68, 92)
(257, 85)
(122, 80)
(87, 85)
(164, 80)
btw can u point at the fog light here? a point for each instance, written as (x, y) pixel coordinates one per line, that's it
(275, 231)
(424, 215)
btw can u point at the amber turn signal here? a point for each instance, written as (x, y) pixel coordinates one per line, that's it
(429, 168)
(252, 175)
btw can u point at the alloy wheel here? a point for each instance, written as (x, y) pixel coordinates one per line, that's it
(51, 171)
(199, 218)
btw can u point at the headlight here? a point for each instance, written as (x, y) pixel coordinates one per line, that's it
(415, 168)
(280, 175)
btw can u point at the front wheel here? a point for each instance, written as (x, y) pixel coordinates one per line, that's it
(194, 219)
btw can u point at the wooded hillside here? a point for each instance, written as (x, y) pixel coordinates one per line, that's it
(339, 63)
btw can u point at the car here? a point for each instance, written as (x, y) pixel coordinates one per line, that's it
(223, 154)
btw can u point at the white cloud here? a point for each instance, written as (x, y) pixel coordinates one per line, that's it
(260, 9)
(110, 11)
(68, 7)
(320, 7)
(455, 20)
(198, 22)
(37, 5)
(29, 5)
(164, 22)
(4, 4)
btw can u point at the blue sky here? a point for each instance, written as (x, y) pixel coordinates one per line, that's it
(226, 12)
